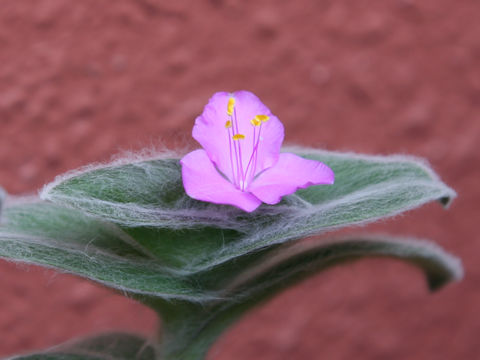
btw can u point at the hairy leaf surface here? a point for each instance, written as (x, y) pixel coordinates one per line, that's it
(196, 327)
(147, 199)
(130, 226)
(114, 346)
(64, 238)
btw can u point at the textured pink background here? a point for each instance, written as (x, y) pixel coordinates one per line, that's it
(82, 80)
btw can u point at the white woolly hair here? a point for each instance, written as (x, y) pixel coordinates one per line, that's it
(368, 188)
(294, 217)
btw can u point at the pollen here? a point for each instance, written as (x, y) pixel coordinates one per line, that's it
(262, 118)
(255, 121)
(228, 124)
(230, 106)
(238, 137)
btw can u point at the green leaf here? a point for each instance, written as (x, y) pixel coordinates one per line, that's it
(195, 307)
(114, 346)
(150, 192)
(54, 236)
(294, 261)
(192, 328)
(147, 199)
(130, 226)
(97, 230)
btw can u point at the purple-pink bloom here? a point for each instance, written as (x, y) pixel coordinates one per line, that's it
(240, 163)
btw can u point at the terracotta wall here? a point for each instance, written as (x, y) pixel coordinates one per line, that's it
(83, 80)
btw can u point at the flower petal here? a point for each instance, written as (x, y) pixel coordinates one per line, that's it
(216, 139)
(289, 174)
(203, 182)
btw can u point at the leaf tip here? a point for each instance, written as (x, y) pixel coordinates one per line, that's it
(446, 200)
(453, 272)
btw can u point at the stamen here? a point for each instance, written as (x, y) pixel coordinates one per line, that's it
(230, 106)
(255, 121)
(255, 149)
(241, 179)
(262, 118)
(238, 137)
(228, 125)
(253, 155)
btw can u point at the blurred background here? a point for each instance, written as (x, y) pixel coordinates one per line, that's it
(83, 80)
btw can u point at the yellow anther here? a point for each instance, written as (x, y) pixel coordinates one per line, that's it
(228, 124)
(255, 122)
(238, 137)
(230, 106)
(263, 118)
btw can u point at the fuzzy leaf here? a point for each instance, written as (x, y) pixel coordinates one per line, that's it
(196, 327)
(97, 229)
(150, 192)
(293, 262)
(54, 236)
(114, 346)
(147, 199)
(196, 307)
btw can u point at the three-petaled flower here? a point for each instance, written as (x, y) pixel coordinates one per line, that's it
(240, 163)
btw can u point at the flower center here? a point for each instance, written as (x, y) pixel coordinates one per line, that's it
(242, 175)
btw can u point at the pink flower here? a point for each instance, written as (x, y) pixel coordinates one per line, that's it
(240, 163)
